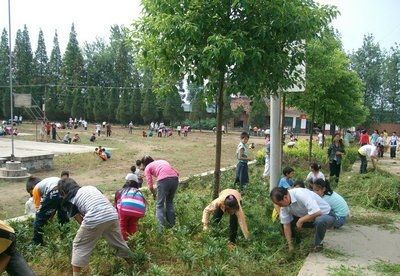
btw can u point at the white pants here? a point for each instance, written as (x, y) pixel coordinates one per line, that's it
(266, 168)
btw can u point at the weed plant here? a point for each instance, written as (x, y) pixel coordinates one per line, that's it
(185, 249)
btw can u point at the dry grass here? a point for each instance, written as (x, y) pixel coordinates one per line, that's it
(189, 155)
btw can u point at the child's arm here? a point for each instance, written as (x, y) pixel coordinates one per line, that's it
(78, 218)
(206, 213)
(242, 156)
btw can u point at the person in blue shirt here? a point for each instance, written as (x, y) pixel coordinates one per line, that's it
(286, 181)
(338, 204)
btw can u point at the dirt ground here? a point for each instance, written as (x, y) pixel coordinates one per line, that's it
(189, 155)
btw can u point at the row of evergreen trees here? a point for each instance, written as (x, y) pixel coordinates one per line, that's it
(97, 82)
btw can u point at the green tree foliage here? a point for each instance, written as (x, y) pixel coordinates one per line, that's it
(391, 83)
(149, 107)
(258, 114)
(78, 103)
(100, 105)
(198, 103)
(245, 44)
(4, 75)
(112, 101)
(72, 70)
(40, 74)
(173, 111)
(123, 112)
(53, 93)
(367, 62)
(135, 105)
(89, 104)
(334, 92)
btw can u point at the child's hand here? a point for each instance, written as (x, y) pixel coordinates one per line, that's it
(231, 246)
(205, 227)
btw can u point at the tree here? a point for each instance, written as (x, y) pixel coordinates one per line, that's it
(135, 105)
(123, 112)
(173, 111)
(237, 46)
(40, 74)
(334, 92)
(367, 62)
(78, 103)
(72, 70)
(112, 100)
(198, 103)
(99, 105)
(4, 75)
(391, 83)
(53, 96)
(149, 107)
(258, 114)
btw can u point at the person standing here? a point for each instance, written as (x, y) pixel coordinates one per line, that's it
(335, 155)
(108, 128)
(393, 141)
(130, 127)
(267, 153)
(364, 138)
(364, 152)
(167, 185)
(242, 155)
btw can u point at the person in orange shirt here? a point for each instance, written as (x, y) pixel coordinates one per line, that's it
(229, 201)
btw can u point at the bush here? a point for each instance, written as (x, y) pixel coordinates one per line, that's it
(374, 189)
(206, 124)
(298, 156)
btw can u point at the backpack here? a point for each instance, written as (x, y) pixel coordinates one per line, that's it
(132, 202)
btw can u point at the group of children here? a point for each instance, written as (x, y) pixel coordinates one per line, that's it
(102, 153)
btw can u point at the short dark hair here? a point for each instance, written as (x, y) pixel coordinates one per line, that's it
(67, 188)
(147, 159)
(278, 193)
(299, 183)
(31, 183)
(244, 134)
(231, 202)
(138, 162)
(65, 173)
(133, 169)
(287, 170)
(315, 166)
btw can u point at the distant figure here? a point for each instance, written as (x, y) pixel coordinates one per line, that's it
(98, 129)
(144, 133)
(66, 139)
(108, 127)
(93, 137)
(178, 129)
(76, 138)
(130, 127)
(242, 156)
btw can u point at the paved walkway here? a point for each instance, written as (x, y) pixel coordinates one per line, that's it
(354, 248)
(30, 148)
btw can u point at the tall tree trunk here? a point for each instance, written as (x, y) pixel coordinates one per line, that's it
(220, 110)
(323, 129)
(283, 122)
(311, 133)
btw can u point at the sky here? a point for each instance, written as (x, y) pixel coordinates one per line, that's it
(93, 18)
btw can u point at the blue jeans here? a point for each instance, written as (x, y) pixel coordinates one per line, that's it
(339, 222)
(242, 174)
(50, 205)
(166, 189)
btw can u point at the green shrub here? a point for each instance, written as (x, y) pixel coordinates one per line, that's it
(374, 189)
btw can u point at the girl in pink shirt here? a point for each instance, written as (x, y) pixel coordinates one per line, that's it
(167, 184)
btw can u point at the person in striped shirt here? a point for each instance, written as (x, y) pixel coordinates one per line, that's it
(47, 202)
(131, 205)
(97, 218)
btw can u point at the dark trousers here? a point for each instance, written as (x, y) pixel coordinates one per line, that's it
(364, 163)
(17, 266)
(392, 152)
(50, 205)
(334, 169)
(381, 150)
(242, 174)
(233, 223)
(320, 224)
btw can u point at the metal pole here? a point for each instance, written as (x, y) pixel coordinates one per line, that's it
(11, 94)
(275, 154)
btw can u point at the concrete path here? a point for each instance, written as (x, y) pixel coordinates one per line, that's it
(354, 247)
(29, 148)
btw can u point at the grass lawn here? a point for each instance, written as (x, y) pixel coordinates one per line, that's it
(189, 155)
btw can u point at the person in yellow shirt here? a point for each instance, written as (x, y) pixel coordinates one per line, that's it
(229, 201)
(10, 260)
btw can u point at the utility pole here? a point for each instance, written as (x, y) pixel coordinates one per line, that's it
(276, 140)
